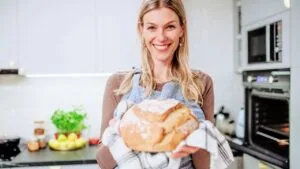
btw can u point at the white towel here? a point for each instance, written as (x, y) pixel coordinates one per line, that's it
(207, 137)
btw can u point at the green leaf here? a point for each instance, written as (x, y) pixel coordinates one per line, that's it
(69, 121)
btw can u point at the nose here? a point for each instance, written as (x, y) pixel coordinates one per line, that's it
(161, 36)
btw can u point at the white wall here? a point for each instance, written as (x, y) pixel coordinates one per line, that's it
(23, 100)
(211, 30)
(295, 83)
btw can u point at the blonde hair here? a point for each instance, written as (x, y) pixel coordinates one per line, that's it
(179, 71)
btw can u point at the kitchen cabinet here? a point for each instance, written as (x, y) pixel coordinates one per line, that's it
(117, 44)
(237, 163)
(250, 162)
(255, 10)
(8, 34)
(79, 166)
(295, 83)
(56, 36)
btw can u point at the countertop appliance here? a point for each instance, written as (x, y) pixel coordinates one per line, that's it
(266, 44)
(9, 147)
(267, 97)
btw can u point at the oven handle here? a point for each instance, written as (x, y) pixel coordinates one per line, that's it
(280, 96)
(282, 142)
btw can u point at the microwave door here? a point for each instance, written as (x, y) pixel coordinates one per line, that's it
(257, 45)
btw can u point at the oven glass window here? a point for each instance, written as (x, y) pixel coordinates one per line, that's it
(270, 121)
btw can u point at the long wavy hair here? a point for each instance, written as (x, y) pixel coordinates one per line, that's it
(179, 71)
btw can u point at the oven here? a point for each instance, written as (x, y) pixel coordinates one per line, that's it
(267, 98)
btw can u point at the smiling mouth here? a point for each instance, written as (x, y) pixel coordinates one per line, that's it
(161, 47)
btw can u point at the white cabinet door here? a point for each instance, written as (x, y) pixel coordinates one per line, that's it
(83, 166)
(79, 166)
(117, 45)
(255, 10)
(253, 163)
(57, 36)
(8, 33)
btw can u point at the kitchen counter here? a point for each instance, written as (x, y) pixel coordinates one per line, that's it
(47, 157)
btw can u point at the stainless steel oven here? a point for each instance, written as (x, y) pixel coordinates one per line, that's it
(267, 113)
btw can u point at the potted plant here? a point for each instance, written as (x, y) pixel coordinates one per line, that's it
(69, 121)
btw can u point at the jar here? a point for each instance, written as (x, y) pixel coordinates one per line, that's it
(33, 145)
(39, 129)
(42, 143)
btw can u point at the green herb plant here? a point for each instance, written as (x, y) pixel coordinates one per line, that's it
(69, 121)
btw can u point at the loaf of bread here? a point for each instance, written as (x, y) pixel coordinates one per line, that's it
(157, 125)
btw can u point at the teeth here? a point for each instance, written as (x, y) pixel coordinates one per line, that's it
(161, 47)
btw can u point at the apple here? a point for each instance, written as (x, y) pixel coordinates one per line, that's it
(54, 144)
(94, 141)
(72, 137)
(62, 138)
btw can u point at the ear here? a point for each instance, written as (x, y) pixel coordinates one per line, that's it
(182, 28)
(181, 31)
(140, 27)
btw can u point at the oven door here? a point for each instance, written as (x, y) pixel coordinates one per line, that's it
(269, 122)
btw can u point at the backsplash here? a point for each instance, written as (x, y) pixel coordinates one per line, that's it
(24, 100)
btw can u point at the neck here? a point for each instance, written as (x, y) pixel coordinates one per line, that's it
(161, 74)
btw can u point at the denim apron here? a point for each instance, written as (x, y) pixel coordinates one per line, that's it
(170, 89)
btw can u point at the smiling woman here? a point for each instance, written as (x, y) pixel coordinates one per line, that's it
(164, 73)
(161, 31)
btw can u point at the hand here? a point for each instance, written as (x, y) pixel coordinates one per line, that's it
(184, 151)
(115, 123)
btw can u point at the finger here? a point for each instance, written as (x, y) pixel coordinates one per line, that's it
(179, 154)
(189, 149)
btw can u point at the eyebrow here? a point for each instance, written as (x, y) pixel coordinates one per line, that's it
(165, 24)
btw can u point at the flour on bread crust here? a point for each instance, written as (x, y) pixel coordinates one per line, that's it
(157, 125)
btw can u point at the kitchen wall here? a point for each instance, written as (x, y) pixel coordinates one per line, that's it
(211, 25)
(23, 100)
(295, 83)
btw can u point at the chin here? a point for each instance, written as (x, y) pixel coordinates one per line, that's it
(163, 58)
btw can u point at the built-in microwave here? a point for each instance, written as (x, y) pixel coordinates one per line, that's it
(265, 43)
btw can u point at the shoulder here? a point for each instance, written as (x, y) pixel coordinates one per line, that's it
(202, 78)
(118, 77)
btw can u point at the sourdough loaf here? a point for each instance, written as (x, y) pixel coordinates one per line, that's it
(157, 125)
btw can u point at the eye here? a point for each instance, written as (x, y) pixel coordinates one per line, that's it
(151, 28)
(170, 27)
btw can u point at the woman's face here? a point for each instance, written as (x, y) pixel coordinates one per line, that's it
(161, 31)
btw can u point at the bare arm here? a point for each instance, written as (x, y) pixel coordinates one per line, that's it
(201, 158)
(110, 101)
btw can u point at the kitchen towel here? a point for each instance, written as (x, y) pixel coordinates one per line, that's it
(207, 137)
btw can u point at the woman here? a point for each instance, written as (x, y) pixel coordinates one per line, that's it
(163, 32)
